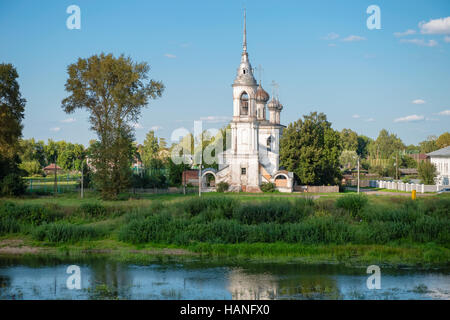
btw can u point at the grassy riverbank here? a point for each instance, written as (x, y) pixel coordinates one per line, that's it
(346, 229)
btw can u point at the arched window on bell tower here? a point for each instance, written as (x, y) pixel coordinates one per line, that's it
(269, 144)
(244, 103)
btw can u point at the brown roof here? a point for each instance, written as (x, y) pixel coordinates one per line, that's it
(52, 167)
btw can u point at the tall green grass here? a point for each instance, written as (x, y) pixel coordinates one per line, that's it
(64, 232)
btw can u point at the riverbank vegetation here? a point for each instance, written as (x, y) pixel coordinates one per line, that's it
(347, 228)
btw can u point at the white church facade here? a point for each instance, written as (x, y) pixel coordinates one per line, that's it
(253, 157)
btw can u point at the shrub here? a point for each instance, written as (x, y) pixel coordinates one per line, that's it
(12, 185)
(196, 205)
(427, 172)
(8, 225)
(267, 187)
(270, 211)
(93, 209)
(30, 213)
(64, 232)
(353, 203)
(222, 187)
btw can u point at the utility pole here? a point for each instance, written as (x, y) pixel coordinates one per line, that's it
(55, 187)
(82, 179)
(396, 166)
(200, 180)
(358, 174)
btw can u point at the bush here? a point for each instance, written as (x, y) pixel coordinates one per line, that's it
(93, 209)
(427, 172)
(13, 185)
(267, 187)
(274, 211)
(222, 187)
(8, 225)
(353, 203)
(196, 205)
(64, 232)
(30, 213)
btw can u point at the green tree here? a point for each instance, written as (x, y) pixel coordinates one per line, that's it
(385, 145)
(427, 172)
(311, 148)
(149, 149)
(363, 146)
(349, 139)
(443, 140)
(348, 159)
(114, 91)
(12, 107)
(428, 145)
(31, 150)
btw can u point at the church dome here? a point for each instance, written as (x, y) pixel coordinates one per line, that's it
(261, 95)
(273, 104)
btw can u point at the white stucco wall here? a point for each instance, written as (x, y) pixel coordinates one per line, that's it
(442, 165)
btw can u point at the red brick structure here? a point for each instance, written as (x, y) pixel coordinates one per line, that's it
(190, 177)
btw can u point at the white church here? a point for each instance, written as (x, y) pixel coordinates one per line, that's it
(253, 158)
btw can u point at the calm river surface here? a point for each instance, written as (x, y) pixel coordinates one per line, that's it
(102, 278)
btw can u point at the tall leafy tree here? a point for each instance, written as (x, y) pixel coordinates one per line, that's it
(114, 91)
(363, 146)
(149, 149)
(428, 145)
(386, 145)
(12, 107)
(427, 172)
(311, 148)
(443, 140)
(349, 139)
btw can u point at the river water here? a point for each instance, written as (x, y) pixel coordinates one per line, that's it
(103, 278)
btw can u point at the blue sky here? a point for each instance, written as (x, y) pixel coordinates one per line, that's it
(320, 52)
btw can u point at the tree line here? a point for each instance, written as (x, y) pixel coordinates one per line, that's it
(114, 91)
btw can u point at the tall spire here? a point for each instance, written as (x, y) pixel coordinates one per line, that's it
(245, 30)
(245, 72)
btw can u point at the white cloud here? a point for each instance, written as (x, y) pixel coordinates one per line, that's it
(331, 36)
(406, 33)
(332, 44)
(215, 119)
(69, 120)
(411, 118)
(356, 116)
(419, 101)
(156, 128)
(444, 113)
(55, 129)
(170, 56)
(353, 38)
(447, 39)
(420, 42)
(369, 120)
(436, 26)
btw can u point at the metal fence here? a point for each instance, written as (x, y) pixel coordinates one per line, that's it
(47, 184)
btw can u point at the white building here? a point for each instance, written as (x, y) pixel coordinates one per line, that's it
(255, 139)
(441, 159)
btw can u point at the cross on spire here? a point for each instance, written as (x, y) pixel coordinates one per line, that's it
(245, 30)
(260, 71)
(275, 87)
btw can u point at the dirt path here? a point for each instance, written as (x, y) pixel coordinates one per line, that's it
(16, 246)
